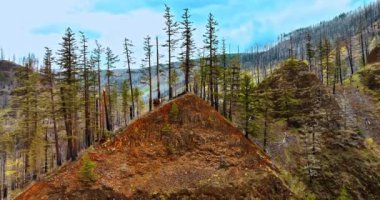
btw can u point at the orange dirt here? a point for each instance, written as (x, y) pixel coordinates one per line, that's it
(193, 153)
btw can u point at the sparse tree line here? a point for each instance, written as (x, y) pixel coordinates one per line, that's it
(352, 33)
(64, 105)
(58, 112)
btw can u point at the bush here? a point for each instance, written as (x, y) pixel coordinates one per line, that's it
(311, 197)
(369, 142)
(86, 172)
(344, 195)
(166, 128)
(173, 114)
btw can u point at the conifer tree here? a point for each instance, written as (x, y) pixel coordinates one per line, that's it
(125, 95)
(348, 46)
(69, 92)
(96, 60)
(128, 53)
(265, 107)
(225, 77)
(327, 60)
(246, 102)
(287, 103)
(85, 67)
(171, 29)
(321, 56)
(26, 100)
(338, 66)
(235, 83)
(187, 46)
(309, 50)
(111, 59)
(211, 44)
(49, 80)
(158, 70)
(148, 55)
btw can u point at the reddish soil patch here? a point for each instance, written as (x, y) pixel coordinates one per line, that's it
(184, 149)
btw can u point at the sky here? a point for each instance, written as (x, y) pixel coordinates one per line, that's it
(29, 26)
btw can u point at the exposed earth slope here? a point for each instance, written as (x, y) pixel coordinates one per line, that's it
(184, 149)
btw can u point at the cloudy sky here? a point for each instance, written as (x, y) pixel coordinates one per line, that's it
(27, 26)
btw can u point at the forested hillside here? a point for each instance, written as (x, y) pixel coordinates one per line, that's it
(298, 119)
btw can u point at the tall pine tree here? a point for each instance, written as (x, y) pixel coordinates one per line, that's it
(171, 29)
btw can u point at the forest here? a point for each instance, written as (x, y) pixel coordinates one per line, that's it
(309, 102)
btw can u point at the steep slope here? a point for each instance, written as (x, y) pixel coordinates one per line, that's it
(317, 146)
(184, 149)
(361, 98)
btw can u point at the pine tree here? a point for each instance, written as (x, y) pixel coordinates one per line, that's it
(125, 95)
(203, 75)
(148, 55)
(265, 107)
(128, 53)
(287, 103)
(338, 66)
(171, 30)
(309, 50)
(246, 102)
(211, 44)
(111, 59)
(235, 83)
(174, 79)
(85, 67)
(69, 89)
(327, 49)
(225, 77)
(187, 46)
(321, 56)
(158, 70)
(139, 101)
(348, 45)
(26, 100)
(49, 80)
(4, 145)
(96, 60)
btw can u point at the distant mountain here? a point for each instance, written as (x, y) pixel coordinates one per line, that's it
(8, 82)
(137, 74)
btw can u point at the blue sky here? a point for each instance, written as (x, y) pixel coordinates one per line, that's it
(29, 26)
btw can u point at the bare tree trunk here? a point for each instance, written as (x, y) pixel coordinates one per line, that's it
(108, 123)
(265, 130)
(59, 160)
(46, 151)
(158, 71)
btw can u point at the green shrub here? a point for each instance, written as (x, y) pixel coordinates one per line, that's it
(311, 197)
(166, 128)
(369, 142)
(86, 172)
(174, 111)
(344, 195)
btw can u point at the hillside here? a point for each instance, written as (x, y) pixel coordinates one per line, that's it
(7, 81)
(323, 152)
(184, 149)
